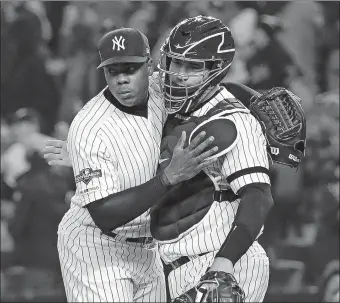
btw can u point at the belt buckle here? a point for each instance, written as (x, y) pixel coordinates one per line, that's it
(218, 195)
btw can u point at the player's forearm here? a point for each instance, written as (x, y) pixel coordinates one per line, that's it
(120, 208)
(256, 202)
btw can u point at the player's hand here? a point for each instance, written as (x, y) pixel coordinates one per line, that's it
(188, 162)
(222, 264)
(215, 286)
(55, 153)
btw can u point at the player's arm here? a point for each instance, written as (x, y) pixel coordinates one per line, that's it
(256, 202)
(247, 168)
(111, 208)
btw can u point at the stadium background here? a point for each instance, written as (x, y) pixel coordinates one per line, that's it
(48, 71)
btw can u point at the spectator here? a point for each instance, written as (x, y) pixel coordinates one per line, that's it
(76, 13)
(242, 26)
(25, 122)
(329, 43)
(26, 82)
(39, 208)
(323, 157)
(6, 138)
(303, 21)
(78, 46)
(142, 18)
(265, 70)
(323, 139)
(7, 206)
(38, 8)
(54, 13)
(25, 138)
(7, 209)
(333, 71)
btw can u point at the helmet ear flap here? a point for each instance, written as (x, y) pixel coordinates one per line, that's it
(218, 79)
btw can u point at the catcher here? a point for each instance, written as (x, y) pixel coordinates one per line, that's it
(208, 227)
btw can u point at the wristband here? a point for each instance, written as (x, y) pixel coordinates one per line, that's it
(164, 179)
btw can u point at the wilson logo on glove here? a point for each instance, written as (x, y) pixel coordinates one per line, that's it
(292, 157)
(274, 150)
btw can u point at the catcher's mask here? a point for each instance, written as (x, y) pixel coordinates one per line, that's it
(206, 46)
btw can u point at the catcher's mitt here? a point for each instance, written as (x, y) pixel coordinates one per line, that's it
(281, 116)
(283, 121)
(214, 286)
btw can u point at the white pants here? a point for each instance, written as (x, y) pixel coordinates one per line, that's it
(96, 268)
(251, 272)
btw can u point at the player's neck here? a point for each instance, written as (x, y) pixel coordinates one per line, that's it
(205, 99)
(212, 93)
(140, 109)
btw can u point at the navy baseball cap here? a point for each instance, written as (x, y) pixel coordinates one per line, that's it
(123, 45)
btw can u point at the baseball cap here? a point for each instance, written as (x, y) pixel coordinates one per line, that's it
(123, 45)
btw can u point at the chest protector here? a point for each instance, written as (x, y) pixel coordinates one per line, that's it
(187, 202)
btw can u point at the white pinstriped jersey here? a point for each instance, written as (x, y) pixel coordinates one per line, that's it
(249, 152)
(112, 151)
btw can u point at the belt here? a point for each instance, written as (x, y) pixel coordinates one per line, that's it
(181, 261)
(140, 240)
(225, 195)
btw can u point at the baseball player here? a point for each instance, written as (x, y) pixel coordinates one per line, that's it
(105, 247)
(208, 226)
(211, 223)
(213, 220)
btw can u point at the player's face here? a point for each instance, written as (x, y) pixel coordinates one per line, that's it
(187, 73)
(128, 82)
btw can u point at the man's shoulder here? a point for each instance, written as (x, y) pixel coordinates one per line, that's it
(156, 94)
(154, 86)
(89, 105)
(228, 106)
(92, 115)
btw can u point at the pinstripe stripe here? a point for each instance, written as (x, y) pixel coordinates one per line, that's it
(74, 273)
(69, 259)
(251, 274)
(258, 286)
(263, 282)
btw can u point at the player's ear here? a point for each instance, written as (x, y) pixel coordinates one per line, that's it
(150, 66)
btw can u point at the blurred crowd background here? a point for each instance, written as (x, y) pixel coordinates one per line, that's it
(48, 72)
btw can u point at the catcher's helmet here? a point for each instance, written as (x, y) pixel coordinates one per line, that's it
(203, 40)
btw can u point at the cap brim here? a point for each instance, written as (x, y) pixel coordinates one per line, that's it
(127, 59)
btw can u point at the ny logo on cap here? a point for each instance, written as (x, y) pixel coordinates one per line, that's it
(119, 42)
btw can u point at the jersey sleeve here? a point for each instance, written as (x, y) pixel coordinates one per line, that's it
(94, 171)
(248, 161)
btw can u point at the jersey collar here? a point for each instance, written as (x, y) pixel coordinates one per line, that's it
(141, 111)
(219, 96)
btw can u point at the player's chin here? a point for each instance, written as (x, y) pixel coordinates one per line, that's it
(127, 99)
